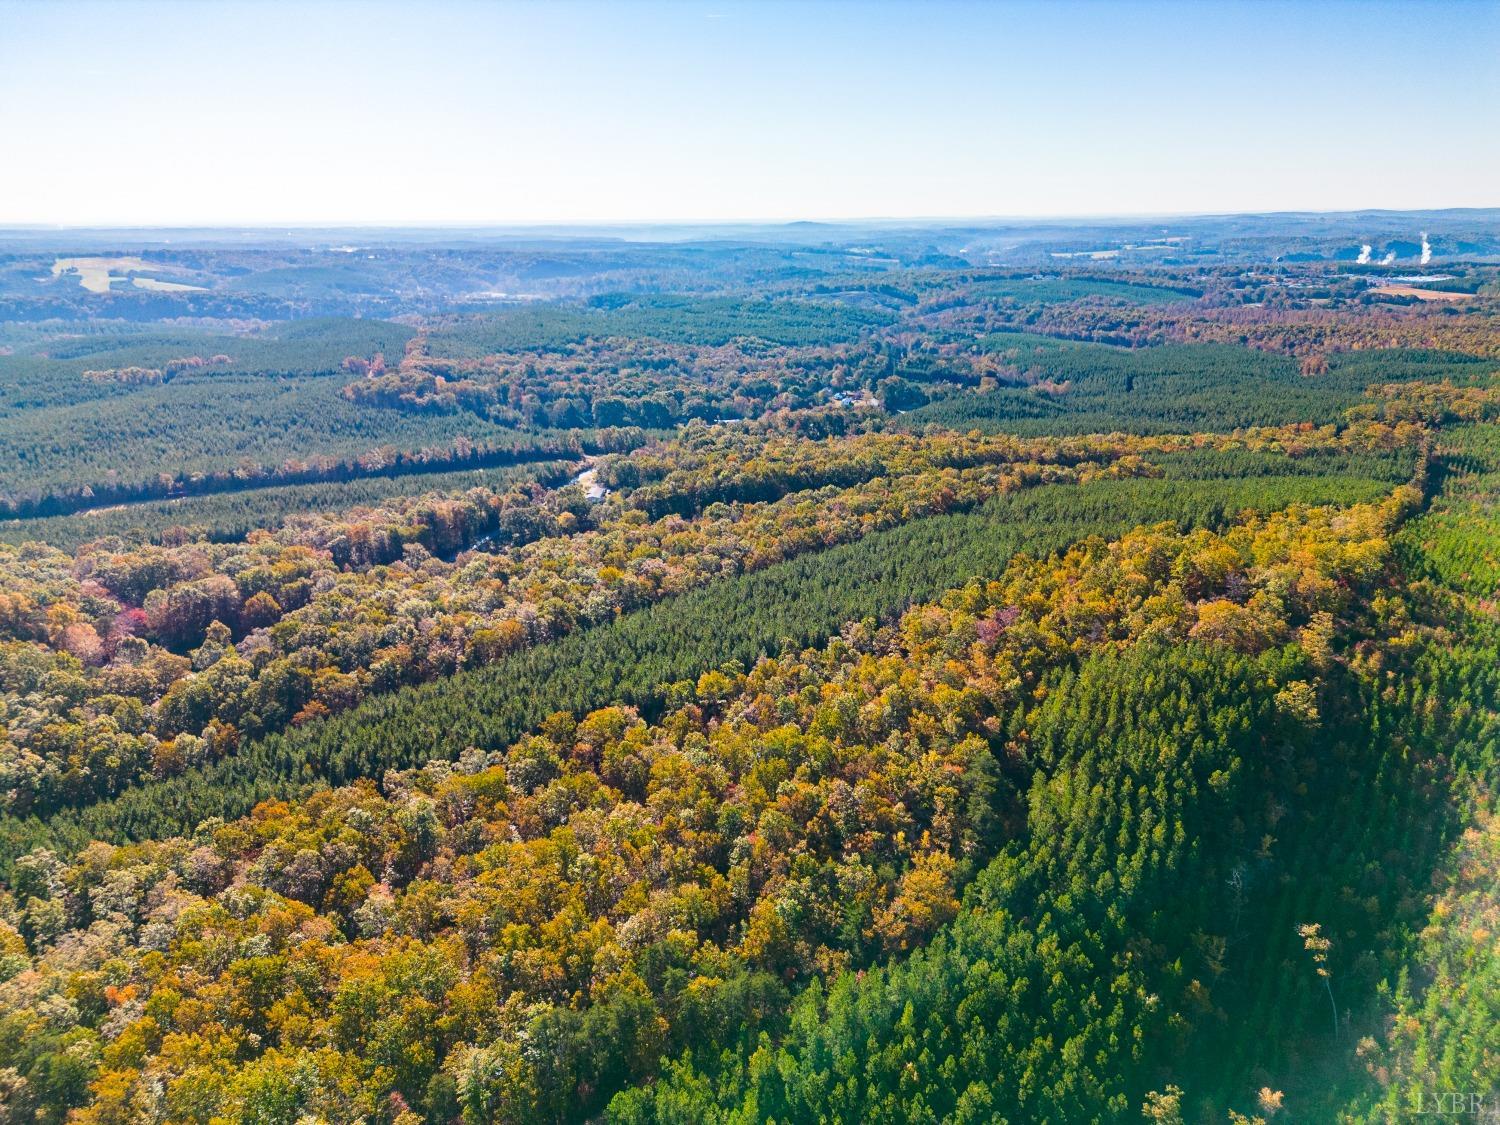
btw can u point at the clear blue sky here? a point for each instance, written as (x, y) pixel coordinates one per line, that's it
(179, 113)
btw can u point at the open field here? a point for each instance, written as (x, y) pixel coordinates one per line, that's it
(98, 274)
(1423, 294)
(164, 286)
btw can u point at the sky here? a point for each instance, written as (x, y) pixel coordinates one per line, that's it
(460, 111)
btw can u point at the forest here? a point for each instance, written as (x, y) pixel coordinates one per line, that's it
(820, 677)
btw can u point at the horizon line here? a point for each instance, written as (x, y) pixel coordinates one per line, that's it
(564, 224)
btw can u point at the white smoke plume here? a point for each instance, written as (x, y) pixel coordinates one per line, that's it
(1426, 249)
(1364, 254)
(1388, 259)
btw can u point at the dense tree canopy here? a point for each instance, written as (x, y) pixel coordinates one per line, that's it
(834, 686)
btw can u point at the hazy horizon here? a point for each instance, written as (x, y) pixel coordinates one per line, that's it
(915, 221)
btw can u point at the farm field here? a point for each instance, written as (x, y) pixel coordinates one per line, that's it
(97, 275)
